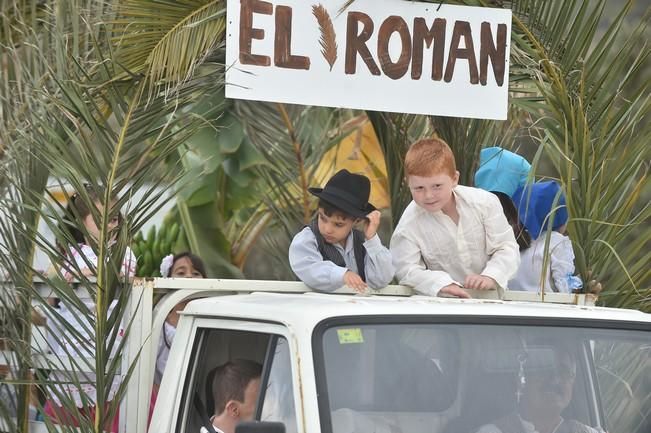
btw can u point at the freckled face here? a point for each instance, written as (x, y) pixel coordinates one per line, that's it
(432, 193)
(335, 228)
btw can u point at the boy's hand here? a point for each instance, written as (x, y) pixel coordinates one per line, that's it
(373, 222)
(479, 282)
(453, 290)
(355, 282)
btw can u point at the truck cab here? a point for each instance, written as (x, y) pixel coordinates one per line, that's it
(343, 363)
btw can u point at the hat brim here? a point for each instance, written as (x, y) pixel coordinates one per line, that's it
(342, 204)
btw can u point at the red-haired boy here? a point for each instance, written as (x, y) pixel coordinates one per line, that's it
(450, 236)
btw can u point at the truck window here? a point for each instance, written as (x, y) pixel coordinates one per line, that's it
(468, 378)
(214, 348)
(624, 376)
(278, 395)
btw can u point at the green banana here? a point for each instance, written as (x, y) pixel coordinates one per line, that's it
(173, 233)
(152, 248)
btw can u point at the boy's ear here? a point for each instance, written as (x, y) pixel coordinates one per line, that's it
(456, 178)
(232, 409)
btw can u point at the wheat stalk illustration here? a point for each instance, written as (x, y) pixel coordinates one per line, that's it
(328, 40)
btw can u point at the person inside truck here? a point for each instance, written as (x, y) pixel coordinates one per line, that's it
(450, 237)
(235, 388)
(329, 253)
(546, 381)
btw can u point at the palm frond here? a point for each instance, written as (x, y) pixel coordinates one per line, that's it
(594, 134)
(83, 130)
(167, 40)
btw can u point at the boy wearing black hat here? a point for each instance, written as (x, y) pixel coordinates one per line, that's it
(329, 253)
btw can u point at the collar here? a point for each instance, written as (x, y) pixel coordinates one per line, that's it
(349, 244)
(217, 429)
(212, 421)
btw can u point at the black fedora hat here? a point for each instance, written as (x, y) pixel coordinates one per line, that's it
(347, 191)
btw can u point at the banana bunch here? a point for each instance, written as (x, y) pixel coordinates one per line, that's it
(150, 249)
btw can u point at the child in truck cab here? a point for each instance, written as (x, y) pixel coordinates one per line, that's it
(450, 236)
(329, 252)
(235, 390)
(543, 212)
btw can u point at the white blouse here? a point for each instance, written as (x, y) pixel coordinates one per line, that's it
(559, 268)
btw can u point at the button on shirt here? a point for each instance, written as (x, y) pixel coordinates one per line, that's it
(310, 267)
(430, 251)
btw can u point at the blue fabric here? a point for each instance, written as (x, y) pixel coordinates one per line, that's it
(501, 170)
(534, 204)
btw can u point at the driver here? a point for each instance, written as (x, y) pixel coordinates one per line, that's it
(545, 393)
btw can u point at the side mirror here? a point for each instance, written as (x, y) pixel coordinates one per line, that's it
(260, 427)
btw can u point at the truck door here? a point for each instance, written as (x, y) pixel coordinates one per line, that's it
(215, 343)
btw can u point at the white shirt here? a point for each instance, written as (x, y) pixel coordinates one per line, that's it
(128, 268)
(80, 345)
(205, 430)
(430, 251)
(559, 269)
(70, 345)
(164, 344)
(308, 263)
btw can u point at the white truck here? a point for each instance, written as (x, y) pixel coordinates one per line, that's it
(390, 362)
(395, 363)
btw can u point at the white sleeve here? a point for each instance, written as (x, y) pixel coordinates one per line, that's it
(501, 246)
(410, 267)
(562, 263)
(308, 264)
(378, 265)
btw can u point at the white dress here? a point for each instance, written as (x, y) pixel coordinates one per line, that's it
(164, 344)
(77, 346)
(559, 269)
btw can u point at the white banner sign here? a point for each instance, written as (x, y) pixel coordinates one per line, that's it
(383, 55)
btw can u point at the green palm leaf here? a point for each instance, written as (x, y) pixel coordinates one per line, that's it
(167, 40)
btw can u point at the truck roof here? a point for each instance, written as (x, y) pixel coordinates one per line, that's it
(308, 309)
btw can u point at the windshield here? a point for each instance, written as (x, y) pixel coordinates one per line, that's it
(443, 378)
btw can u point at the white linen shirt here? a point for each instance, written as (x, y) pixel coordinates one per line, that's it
(310, 267)
(560, 266)
(430, 251)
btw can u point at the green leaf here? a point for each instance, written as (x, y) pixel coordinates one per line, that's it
(231, 133)
(248, 156)
(205, 149)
